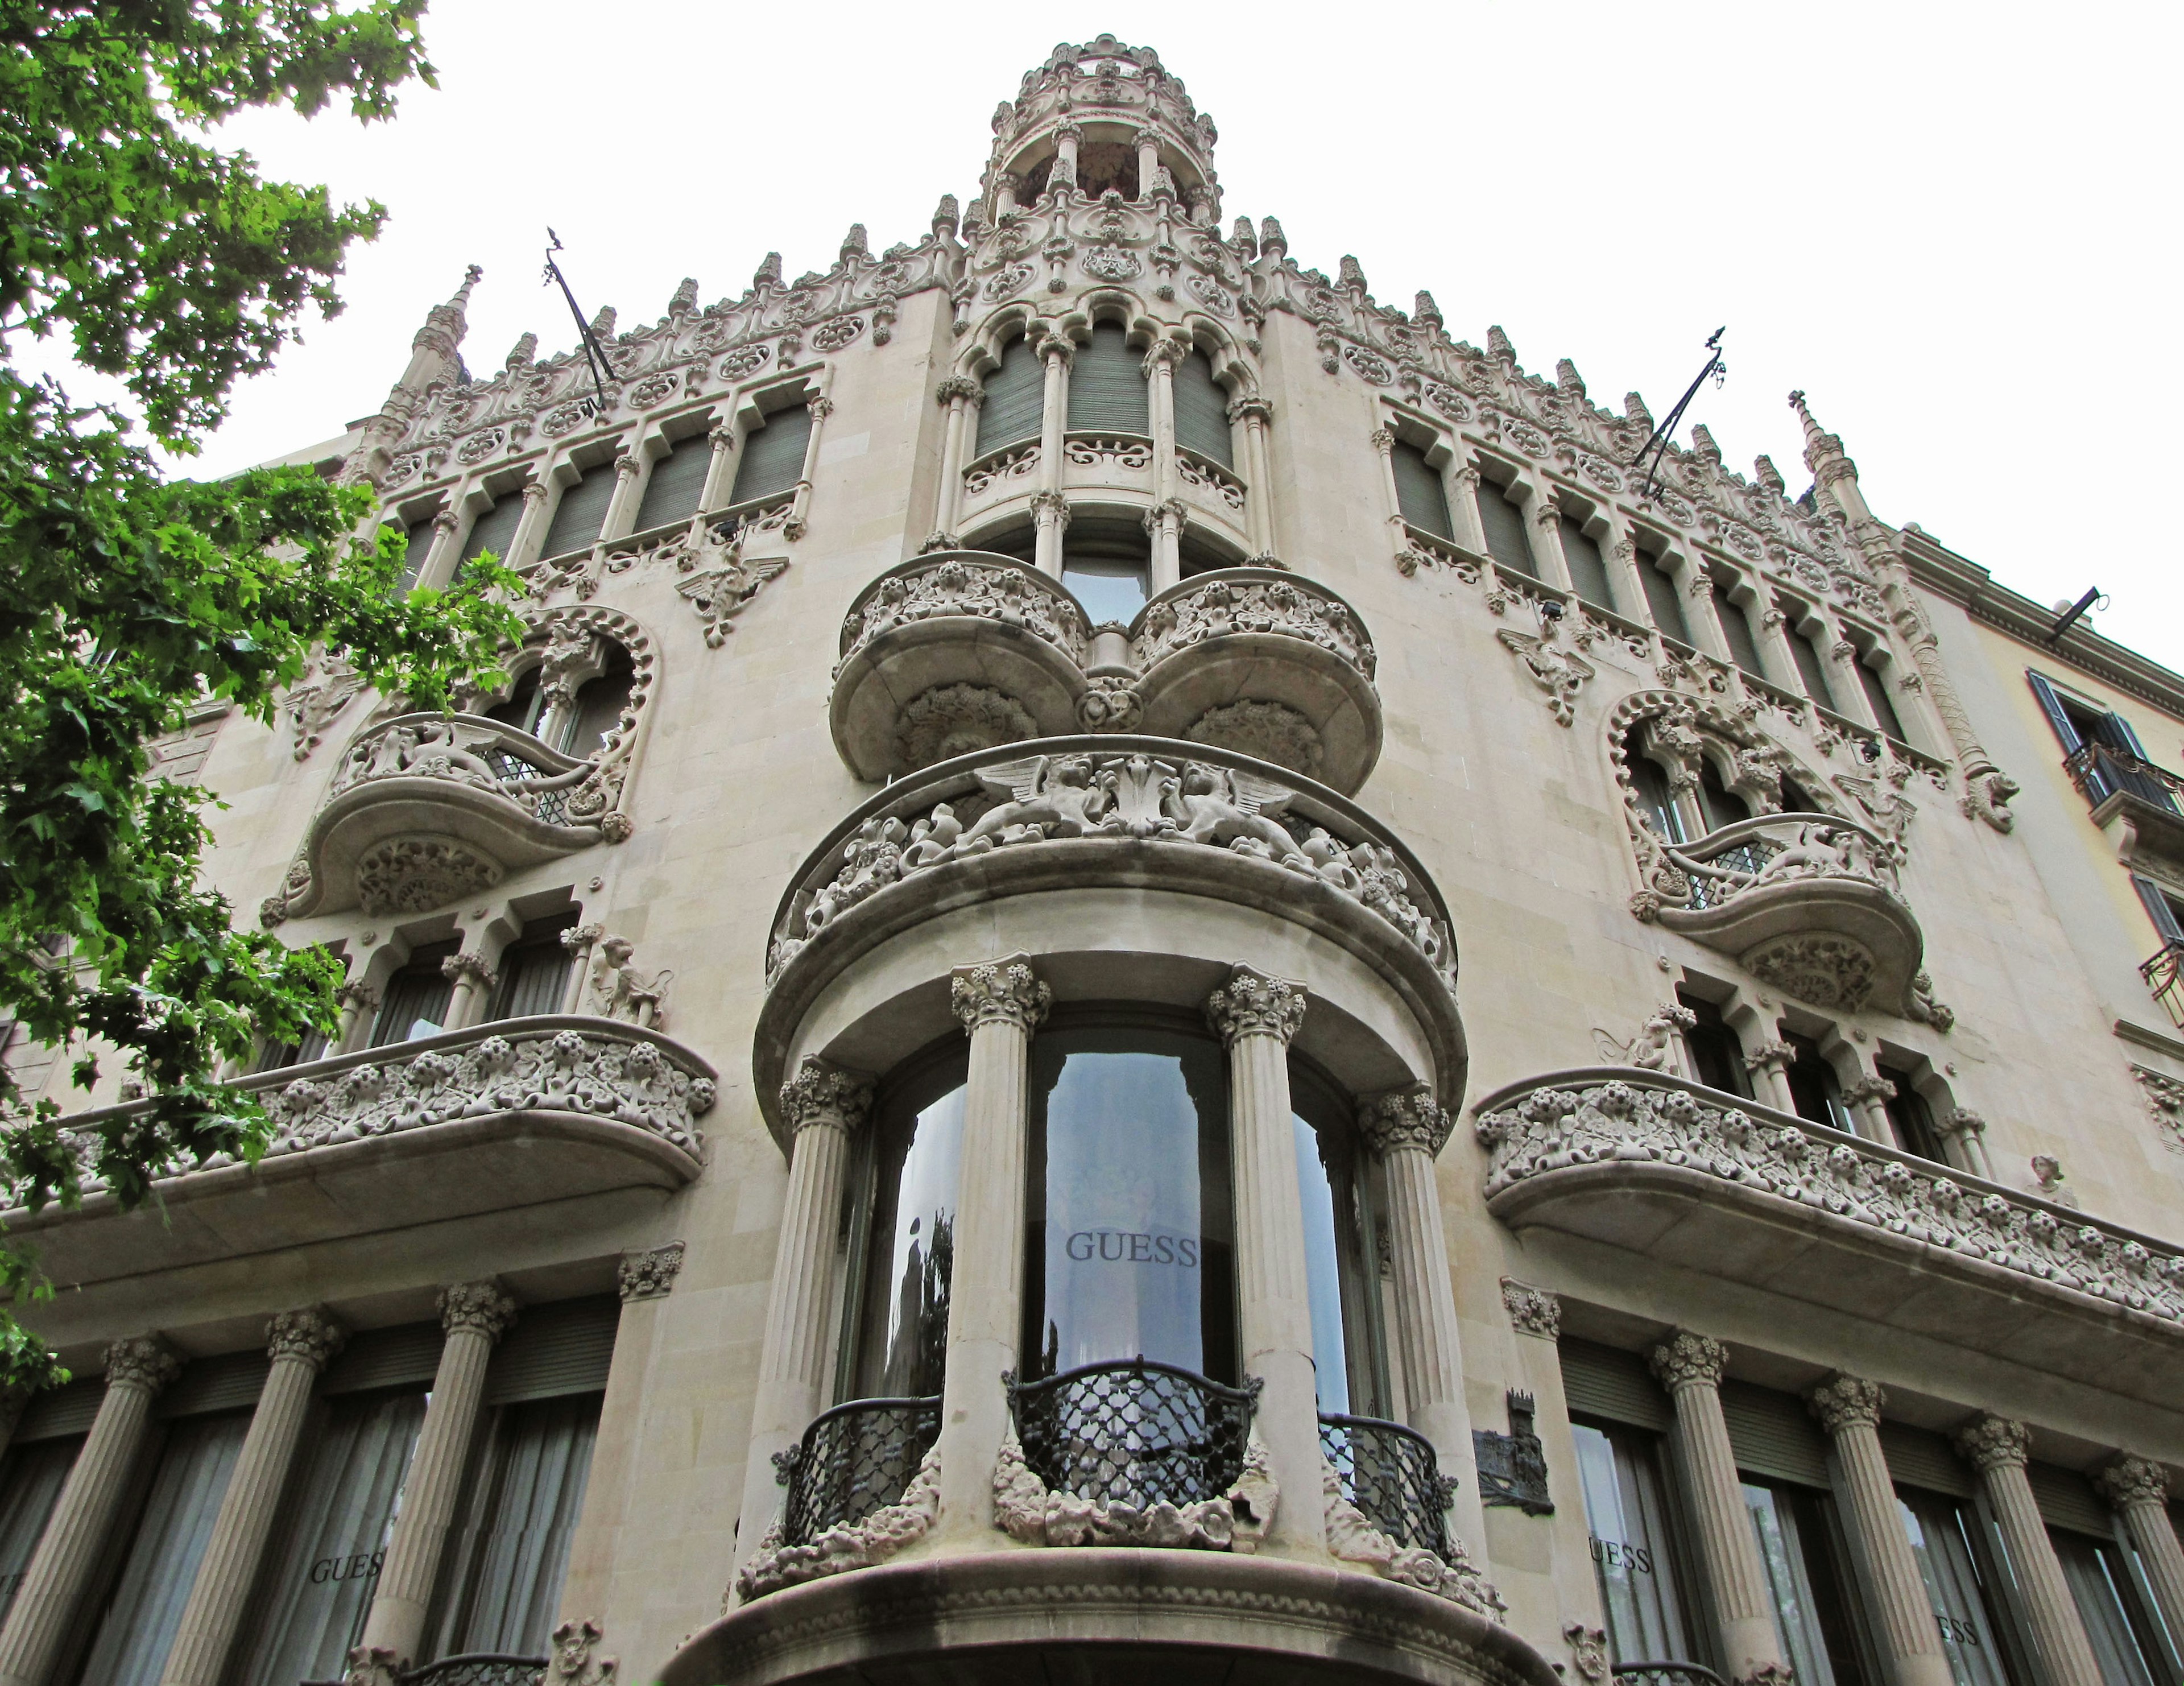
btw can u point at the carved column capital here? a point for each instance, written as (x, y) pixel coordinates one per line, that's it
(1963, 1121)
(1842, 1402)
(649, 1275)
(581, 936)
(1403, 1118)
(1689, 1359)
(1383, 439)
(820, 408)
(1771, 1057)
(825, 1095)
(1532, 1311)
(1250, 408)
(1005, 991)
(535, 492)
(482, 1308)
(628, 464)
(308, 1334)
(356, 993)
(1989, 1442)
(1252, 1003)
(475, 968)
(1869, 1089)
(958, 385)
(1164, 354)
(142, 1361)
(2131, 1481)
(444, 522)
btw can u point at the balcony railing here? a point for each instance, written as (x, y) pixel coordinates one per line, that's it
(1665, 1673)
(474, 1668)
(854, 1460)
(2100, 772)
(1390, 1474)
(480, 754)
(1136, 1433)
(2164, 976)
(1780, 848)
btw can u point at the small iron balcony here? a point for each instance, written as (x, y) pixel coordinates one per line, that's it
(854, 1460)
(1390, 1474)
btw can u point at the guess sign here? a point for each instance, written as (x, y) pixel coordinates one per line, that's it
(359, 1566)
(1134, 1247)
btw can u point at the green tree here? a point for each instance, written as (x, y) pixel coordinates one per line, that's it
(145, 253)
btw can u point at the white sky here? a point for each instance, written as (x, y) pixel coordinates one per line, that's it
(1945, 222)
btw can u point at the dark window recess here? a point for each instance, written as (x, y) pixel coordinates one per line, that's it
(1513, 1467)
(1015, 401)
(1655, 801)
(416, 546)
(1815, 1091)
(2126, 1635)
(1108, 564)
(1662, 597)
(1716, 1055)
(1637, 1550)
(1201, 411)
(1794, 799)
(495, 529)
(1911, 1118)
(1723, 807)
(2103, 745)
(677, 482)
(418, 994)
(1811, 665)
(534, 969)
(600, 701)
(2163, 908)
(28, 1493)
(1419, 492)
(1107, 391)
(581, 512)
(773, 456)
(1876, 696)
(1588, 569)
(1736, 627)
(1503, 523)
(1956, 1559)
(523, 704)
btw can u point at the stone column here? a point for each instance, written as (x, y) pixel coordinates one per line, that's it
(1998, 1447)
(1407, 1129)
(819, 407)
(621, 508)
(1255, 1016)
(359, 1006)
(1249, 415)
(1164, 522)
(530, 530)
(439, 562)
(45, 1611)
(721, 437)
(1849, 1408)
(1065, 140)
(1049, 509)
(1147, 145)
(1869, 1098)
(2138, 1489)
(1690, 1366)
(1383, 441)
(578, 942)
(474, 978)
(1462, 483)
(299, 1343)
(1769, 1066)
(824, 1107)
(1000, 1002)
(1967, 1130)
(960, 395)
(1773, 633)
(475, 1315)
(1547, 541)
(1005, 193)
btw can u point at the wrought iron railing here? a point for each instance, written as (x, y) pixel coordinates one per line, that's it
(1135, 1432)
(2164, 976)
(474, 1668)
(471, 751)
(854, 1460)
(1778, 848)
(1666, 1674)
(1390, 1474)
(2099, 771)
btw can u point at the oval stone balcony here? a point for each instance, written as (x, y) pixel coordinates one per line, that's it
(500, 1116)
(427, 808)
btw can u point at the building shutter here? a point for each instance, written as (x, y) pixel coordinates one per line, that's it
(773, 456)
(1736, 627)
(1107, 392)
(495, 530)
(400, 1357)
(1773, 1435)
(1810, 668)
(2052, 706)
(1506, 539)
(534, 969)
(677, 482)
(27, 1498)
(1662, 598)
(555, 1349)
(1602, 1382)
(581, 512)
(61, 1411)
(2159, 909)
(417, 544)
(1917, 1458)
(2067, 1500)
(1015, 401)
(231, 1381)
(1420, 493)
(1201, 411)
(1876, 697)
(1588, 568)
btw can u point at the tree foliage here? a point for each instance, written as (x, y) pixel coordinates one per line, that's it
(128, 599)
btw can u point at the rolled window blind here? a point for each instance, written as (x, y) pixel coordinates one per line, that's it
(61, 1411)
(1876, 697)
(1810, 668)
(1107, 392)
(1604, 1382)
(555, 1349)
(1588, 568)
(417, 544)
(495, 530)
(1507, 541)
(773, 456)
(1201, 411)
(405, 1355)
(1015, 401)
(1773, 1435)
(231, 1381)
(1662, 598)
(1736, 627)
(581, 512)
(1419, 492)
(1919, 1458)
(677, 482)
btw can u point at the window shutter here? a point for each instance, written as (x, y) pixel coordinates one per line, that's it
(1602, 1382)
(1876, 697)
(1773, 1435)
(495, 530)
(1506, 539)
(2052, 706)
(773, 456)
(418, 544)
(231, 1381)
(1736, 627)
(1420, 493)
(678, 481)
(403, 1356)
(1917, 1458)
(2067, 1500)
(1201, 411)
(554, 1350)
(1588, 568)
(1015, 401)
(1810, 668)
(581, 512)
(61, 1411)
(2159, 909)
(1107, 391)
(1662, 598)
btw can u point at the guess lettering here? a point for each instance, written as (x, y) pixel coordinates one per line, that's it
(1617, 1554)
(1131, 1247)
(1956, 1631)
(362, 1565)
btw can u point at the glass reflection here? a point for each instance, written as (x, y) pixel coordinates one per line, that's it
(918, 1152)
(1626, 1510)
(1128, 1227)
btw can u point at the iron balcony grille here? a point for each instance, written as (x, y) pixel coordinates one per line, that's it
(2100, 770)
(2164, 976)
(474, 1668)
(1134, 1432)
(1665, 1673)
(1390, 1474)
(854, 1460)
(550, 806)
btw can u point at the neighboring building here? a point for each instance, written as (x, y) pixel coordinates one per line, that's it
(910, 1074)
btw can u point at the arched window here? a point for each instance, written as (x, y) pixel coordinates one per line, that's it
(1016, 399)
(1107, 391)
(600, 703)
(1588, 569)
(1656, 802)
(1662, 596)
(520, 707)
(1736, 627)
(1723, 807)
(1201, 411)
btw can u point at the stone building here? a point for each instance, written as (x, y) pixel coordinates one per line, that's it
(907, 1107)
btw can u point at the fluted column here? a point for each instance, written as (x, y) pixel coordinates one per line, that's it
(2138, 1489)
(299, 1343)
(1050, 510)
(1849, 1408)
(46, 1608)
(1255, 1016)
(1406, 1130)
(1997, 1448)
(824, 1107)
(1690, 1366)
(1000, 1002)
(1164, 524)
(475, 1315)
(1249, 415)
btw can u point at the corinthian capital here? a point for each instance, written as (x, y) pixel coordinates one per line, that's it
(2130, 1481)
(142, 1361)
(823, 1095)
(309, 1335)
(1252, 1004)
(1004, 991)
(1842, 1402)
(1689, 1359)
(1989, 1442)
(1404, 1118)
(480, 1307)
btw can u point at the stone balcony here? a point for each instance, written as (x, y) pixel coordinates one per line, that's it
(962, 651)
(513, 1113)
(426, 808)
(1108, 468)
(1784, 1210)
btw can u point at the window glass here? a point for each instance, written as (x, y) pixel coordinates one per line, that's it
(600, 701)
(918, 1168)
(1111, 588)
(520, 707)
(415, 1003)
(27, 1495)
(2126, 1642)
(1651, 781)
(1129, 1238)
(1911, 1118)
(1941, 1539)
(1815, 1091)
(1626, 1510)
(1716, 1052)
(534, 969)
(1805, 1582)
(1723, 807)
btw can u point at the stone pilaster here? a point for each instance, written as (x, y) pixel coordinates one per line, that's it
(1998, 1448)
(1248, 418)
(1164, 525)
(1050, 510)
(2138, 1489)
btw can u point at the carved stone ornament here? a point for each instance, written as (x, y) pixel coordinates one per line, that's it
(1654, 1047)
(1559, 673)
(1237, 1521)
(1110, 703)
(1532, 1311)
(1293, 607)
(1588, 1649)
(1989, 1442)
(855, 1545)
(141, 1361)
(572, 1663)
(1111, 263)
(826, 1096)
(619, 991)
(1828, 971)
(1689, 1359)
(329, 684)
(1351, 1539)
(1252, 1004)
(1842, 1402)
(956, 719)
(1402, 1118)
(1369, 368)
(417, 874)
(719, 593)
(649, 1275)
(2164, 1105)
(2130, 1481)
(1270, 731)
(958, 585)
(482, 1308)
(309, 1336)
(999, 993)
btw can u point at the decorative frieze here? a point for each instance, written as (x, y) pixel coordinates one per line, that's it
(649, 1275)
(1537, 1312)
(1353, 1540)
(1238, 602)
(838, 1549)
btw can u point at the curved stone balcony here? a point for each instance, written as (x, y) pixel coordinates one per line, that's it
(963, 651)
(1786, 1210)
(1807, 902)
(1103, 467)
(513, 1114)
(426, 808)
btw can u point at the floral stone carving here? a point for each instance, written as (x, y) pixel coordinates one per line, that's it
(1026, 1510)
(1353, 1540)
(416, 875)
(1272, 731)
(992, 590)
(956, 719)
(856, 1545)
(1221, 606)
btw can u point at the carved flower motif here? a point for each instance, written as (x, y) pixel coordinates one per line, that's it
(1210, 293)
(744, 360)
(834, 335)
(480, 446)
(1448, 401)
(1111, 263)
(1006, 282)
(1369, 366)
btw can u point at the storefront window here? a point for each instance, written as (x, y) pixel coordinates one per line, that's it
(27, 1497)
(1939, 1529)
(1801, 1553)
(1329, 1167)
(1632, 1550)
(917, 1152)
(1129, 1234)
(2125, 1636)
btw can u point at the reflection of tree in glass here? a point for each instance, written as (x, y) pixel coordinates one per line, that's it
(917, 1345)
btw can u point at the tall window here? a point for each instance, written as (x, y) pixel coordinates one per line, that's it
(1420, 493)
(1812, 664)
(415, 1002)
(1662, 598)
(1107, 565)
(1588, 568)
(1716, 1053)
(1016, 399)
(522, 706)
(1657, 801)
(914, 1173)
(1807, 1578)
(774, 453)
(416, 546)
(29, 1487)
(1107, 390)
(2126, 1635)
(1815, 1091)
(2114, 764)
(1201, 411)
(1876, 698)
(580, 511)
(1635, 1555)
(534, 969)
(1736, 627)
(677, 482)
(1910, 1117)
(1503, 522)
(1723, 807)
(494, 529)
(1959, 1585)
(1337, 1221)
(599, 702)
